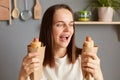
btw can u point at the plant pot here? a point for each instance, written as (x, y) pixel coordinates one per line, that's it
(105, 14)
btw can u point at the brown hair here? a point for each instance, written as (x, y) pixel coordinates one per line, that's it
(46, 36)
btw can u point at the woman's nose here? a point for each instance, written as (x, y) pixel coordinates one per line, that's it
(66, 28)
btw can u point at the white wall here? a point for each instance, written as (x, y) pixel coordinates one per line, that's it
(15, 37)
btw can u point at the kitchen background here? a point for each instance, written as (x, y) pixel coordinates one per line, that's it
(14, 39)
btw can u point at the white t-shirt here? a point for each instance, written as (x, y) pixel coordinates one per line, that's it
(63, 70)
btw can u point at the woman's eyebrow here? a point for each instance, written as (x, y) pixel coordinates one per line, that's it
(60, 21)
(63, 22)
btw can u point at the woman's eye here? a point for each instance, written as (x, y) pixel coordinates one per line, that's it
(71, 25)
(59, 25)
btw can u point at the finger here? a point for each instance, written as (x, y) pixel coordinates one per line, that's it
(34, 60)
(26, 69)
(89, 70)
(34, 67)
(89, 62)
(87, 59)
(89, 54)
(32, 54)
(89, 65)
(27, 58)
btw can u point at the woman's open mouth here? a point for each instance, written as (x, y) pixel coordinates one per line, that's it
(64, 38)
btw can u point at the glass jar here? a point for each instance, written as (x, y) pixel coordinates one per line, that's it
(84, 15)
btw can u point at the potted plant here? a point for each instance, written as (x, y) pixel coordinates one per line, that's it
(105, 8)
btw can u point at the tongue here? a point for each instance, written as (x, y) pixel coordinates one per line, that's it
(63, 38)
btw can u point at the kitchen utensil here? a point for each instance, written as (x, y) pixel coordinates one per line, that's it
(37, 10)
(15, 12)
(10, 20)
(5, 10)
(26, 14)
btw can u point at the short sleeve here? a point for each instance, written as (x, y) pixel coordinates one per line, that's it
(43, 78)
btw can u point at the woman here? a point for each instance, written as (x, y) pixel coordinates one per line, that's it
(62, 60)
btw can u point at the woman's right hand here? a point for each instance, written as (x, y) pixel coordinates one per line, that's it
(31, 62)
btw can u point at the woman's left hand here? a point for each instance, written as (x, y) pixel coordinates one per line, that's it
(91, 64)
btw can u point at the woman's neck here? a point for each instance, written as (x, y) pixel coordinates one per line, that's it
(59, 52)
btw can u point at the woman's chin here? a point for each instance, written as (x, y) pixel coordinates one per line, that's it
(63, 45)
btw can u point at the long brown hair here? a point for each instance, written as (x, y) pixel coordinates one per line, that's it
(46, 36)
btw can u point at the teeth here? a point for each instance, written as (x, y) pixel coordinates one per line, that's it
(64, 37)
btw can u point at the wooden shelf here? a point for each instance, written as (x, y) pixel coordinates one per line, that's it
(97, 22)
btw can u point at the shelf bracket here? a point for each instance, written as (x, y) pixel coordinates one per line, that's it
(118, 33)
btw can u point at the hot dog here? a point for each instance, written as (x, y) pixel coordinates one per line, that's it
(88, 46)
(36, 46)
